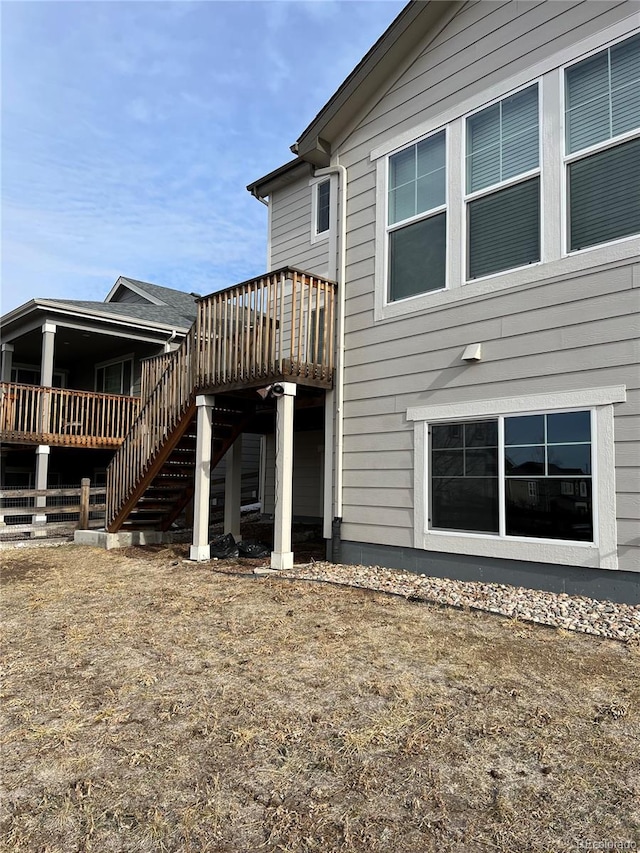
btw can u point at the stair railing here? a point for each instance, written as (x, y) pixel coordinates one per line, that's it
(158, 418)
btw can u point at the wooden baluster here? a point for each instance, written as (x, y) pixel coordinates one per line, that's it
(316, 340)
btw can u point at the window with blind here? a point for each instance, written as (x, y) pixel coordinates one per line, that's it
(602, 145)
(503, 185)
(417, 219)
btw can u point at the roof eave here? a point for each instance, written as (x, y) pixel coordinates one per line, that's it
(66, 308)
(398, 40)
(278, 178)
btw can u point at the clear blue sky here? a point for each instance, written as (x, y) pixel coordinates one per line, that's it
(130, 130)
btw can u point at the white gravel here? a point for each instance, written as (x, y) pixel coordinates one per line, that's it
(571, 612)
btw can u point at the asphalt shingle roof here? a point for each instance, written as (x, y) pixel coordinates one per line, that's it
(179, 308)
(164, 314)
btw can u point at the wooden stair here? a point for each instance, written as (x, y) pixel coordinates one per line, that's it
(167, 487)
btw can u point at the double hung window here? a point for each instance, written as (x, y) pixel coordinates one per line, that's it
(417, 219)
(524, 476)
(602, 145)
(503, 185)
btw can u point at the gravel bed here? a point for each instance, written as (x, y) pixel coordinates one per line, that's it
(571, 612)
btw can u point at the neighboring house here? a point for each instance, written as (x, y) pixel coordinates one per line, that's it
(474, 189)
(72, 376)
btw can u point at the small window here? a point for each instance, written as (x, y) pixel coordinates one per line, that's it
(545, 488)
(602, 103)
(503, 185)
(323, 198)
(416, 218)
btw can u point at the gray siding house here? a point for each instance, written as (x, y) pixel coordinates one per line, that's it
(474, 189)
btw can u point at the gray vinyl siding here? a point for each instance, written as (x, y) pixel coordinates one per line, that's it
(534, 342)
(565, 333)
(308, 471)
(291, 231)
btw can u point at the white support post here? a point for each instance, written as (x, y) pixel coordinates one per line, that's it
(46, 374)
(42, 473)
(7, 362)
(200, 549)
(282, 555)
(48, 349)
(233, 489)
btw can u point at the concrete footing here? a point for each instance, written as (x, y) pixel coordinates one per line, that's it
(123, 539)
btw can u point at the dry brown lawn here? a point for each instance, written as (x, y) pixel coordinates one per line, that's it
(151, 704)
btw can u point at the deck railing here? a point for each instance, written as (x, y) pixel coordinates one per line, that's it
(277, 326)
(61, 416)
(152, 369)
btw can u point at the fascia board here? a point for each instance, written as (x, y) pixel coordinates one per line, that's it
(279, 177)
(59, 310)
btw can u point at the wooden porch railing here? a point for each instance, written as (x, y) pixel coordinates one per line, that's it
(277, 326)
(35, 414)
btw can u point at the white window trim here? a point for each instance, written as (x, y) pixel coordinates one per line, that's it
(314, 183)
(396, 226)
(600, 554)
(555, 261)
(121, 360)
(510, 182)
(583, 154)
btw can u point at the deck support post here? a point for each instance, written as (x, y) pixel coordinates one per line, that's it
(282, 555)
(233, 489)
(7, 362)
(42, 473)
(200, 549)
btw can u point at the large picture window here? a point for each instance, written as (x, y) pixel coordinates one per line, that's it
(602, 143)
(524, 476)
(503, 185)
(416, 218)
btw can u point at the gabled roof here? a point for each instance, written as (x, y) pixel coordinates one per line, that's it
(160, 308)
(155, 294)
(176, 315)
(378, 66)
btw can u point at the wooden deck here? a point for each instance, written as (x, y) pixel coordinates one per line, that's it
(276, 327)
(32, 414)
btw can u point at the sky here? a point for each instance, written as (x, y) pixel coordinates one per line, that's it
(131, 129)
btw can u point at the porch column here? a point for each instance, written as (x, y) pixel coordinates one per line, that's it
(42, 471)
(282, 555)
(7, 362)
(46, 375)
(201, 496)
(48, 347)
(233, 489)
